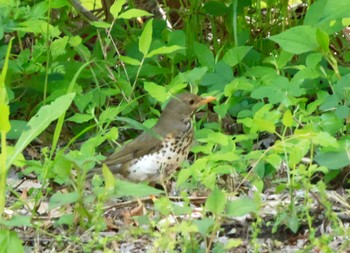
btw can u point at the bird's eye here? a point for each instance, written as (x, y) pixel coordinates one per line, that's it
(191, 101)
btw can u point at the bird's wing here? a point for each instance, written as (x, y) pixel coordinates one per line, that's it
(143, 144)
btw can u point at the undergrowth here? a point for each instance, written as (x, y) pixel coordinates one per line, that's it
(75, 85)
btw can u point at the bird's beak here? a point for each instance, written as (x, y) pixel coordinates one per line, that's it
(206, 100)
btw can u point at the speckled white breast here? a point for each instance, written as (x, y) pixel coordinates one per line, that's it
(154, 166)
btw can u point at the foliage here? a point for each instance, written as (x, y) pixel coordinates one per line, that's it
(275, 70)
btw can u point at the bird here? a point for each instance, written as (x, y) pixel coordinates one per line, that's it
(154, 155)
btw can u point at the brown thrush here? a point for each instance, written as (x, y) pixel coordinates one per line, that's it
(152, 157)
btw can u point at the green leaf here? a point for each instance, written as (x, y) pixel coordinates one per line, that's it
(341, 111)
(58, 46)
(322, 40)
(116, 8)
(58, 4)
(218, 138)
(10, 242)
(325, 139)
(19, 221)
(204, 225)
(60, 199)
(215, 8)
(158, 92)
(239, 83)
(297, 40)
(287, 118)
(17, 128)
(108, 177)
(129, 60)
(82, 100)
(275, 160)
(216, 201)
(164, 50)
(235, 55)
(334, 159)
(124, 188)
(222, 75)
(80, 118)
(66, 219)
(100, 24)
(264, 125)
(292, 221)
(109, 114)
(134, 13)
(40, 121)
(146, 38)
(138, 125)
(328, 15)
(241, 207)
(204, 55)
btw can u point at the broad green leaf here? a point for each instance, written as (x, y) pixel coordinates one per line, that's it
(138, 125)
(124, 188)
(241, 206)
(60, 199)
(19, 221)
(17, 128)
(287, 118)
(297, 40)
(235, 55)
(183, 176)
(146, 38)
(163, 50)
(109, 114)
(158, 92)
(325, 139)
(204, 225)
(224, 156)
(342, 111)
(219, 138)
(82, 100)
(239, 83)
(116, 8)
(75, 41)
(40, 121)
(58, 4)
(58, 46)
(66, 219)
(292, 221)
(264, 125)
(216, 201)
(100, 24)
(134, 13)
(328, 15)
(275, 160)
(80, 118)
(322, 40)
(215, 8)
(108, 177)
(204, 55)
(330, 123)
(333, 160)
(10, 242)
(164, 205)
(129, 60)
(38, 10)
(222, 75)
(194, 75)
